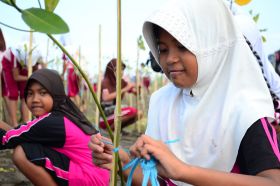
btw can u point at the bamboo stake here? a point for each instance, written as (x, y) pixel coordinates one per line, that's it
(88, 83)
(99, 77)
(29, 64)
(117, 121)
(47, 53)
(156, 83)
(80, 84)
(137, 126)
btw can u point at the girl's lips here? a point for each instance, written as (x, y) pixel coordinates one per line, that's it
(175, 73)
(36, 108)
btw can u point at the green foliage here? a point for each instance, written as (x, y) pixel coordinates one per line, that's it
(263, 30)
(44, 21)
(50, 5)
(8, 2)
(251, 12)
(263, 39)
(140, 43)
(256, 17)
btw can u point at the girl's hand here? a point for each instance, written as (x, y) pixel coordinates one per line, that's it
(169, 165)
(102, 151)
(129, 87)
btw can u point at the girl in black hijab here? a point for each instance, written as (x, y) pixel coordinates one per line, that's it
(53, 148)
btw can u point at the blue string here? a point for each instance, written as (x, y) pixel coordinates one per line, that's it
(148, 167)
(115, 149)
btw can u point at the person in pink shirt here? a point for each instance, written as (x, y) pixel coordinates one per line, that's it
(52, 149)
(73, 81)
(10, 78)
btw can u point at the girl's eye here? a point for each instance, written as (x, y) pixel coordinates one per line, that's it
(29, 93)
(162, 50)
(42, 93)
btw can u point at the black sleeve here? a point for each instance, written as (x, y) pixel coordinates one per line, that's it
(255, 152)
(48, 130)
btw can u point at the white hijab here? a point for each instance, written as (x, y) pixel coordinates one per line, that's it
(230, 93)
(252, 33)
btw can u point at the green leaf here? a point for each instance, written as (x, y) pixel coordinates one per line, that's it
(50, 5)
(251, 12)
(140, 43)
(263, 30)
(8, 2)
(256, 18)
(263, 39)
(44, 21)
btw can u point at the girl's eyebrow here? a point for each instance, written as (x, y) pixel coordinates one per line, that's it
(39, 89)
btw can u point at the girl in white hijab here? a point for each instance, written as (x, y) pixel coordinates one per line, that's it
(254, 40)
(218, 104)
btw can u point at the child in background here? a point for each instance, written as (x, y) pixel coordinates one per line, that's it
(217, 105)
(254, 39)
(52, 149)
(11, 78)
(108, 97)
(73, 81)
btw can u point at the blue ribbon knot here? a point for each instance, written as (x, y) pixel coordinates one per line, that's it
(149, 171)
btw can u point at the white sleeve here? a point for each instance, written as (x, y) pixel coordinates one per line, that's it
(153, 124)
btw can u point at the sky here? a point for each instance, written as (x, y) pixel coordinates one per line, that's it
(84, 17)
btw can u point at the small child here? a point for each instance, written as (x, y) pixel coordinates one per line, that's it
(108, 97)
(52, 149)
(73, 80)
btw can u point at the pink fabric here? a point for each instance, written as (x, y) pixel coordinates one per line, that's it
(126, 111)
(72, 83)
(146, 82)
(169, 182)
(272, 139)
(82, 171)
(59, 172)
(21, 85)
(235, 169)
(8, 63)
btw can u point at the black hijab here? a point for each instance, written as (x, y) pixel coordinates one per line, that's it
(51, 80)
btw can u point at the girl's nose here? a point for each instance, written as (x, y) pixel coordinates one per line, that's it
(172, 57)
(35, 97)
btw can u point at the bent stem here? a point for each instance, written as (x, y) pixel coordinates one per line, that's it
(88, 83)
(94, 97)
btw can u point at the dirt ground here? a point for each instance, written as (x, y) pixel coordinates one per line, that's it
(10, 176)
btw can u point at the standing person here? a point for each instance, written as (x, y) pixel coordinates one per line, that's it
(145, 77)
(3, 90)
(109, 94)
(11, 78)
(72, 80)
(2, 50)
(21, 55)
(277, 61)
(217, 105)
(2, 47)
(254, 40)
(52, 149)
